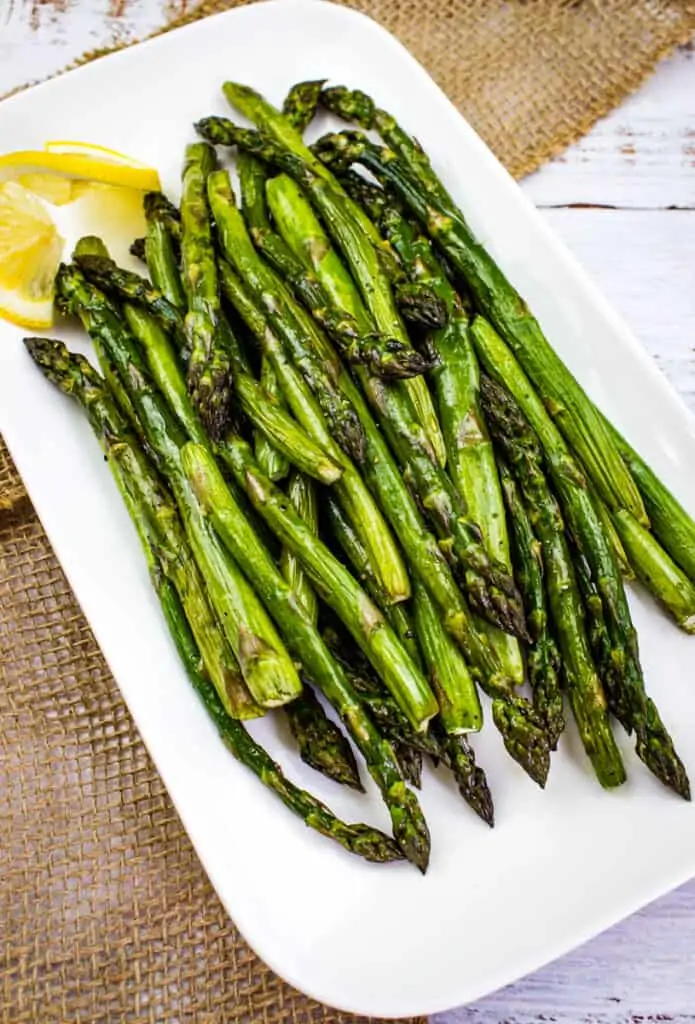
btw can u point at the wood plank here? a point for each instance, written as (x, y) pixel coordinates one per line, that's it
(644, 261)
(641, 155)
(642, 970)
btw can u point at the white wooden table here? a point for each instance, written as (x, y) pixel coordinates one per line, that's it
(624, 200)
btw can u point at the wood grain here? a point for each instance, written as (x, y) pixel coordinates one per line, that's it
(636, 174)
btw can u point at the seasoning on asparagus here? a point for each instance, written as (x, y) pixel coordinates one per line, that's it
(209, 372)
(163, 246)
(542, 656)
(301, 103)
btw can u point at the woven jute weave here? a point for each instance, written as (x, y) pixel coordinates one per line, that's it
(105, 912)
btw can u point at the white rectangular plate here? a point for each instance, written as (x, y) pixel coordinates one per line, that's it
(559, 865)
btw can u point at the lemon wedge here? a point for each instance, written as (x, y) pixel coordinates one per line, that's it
(53, 188)
(91, 149)
(82, 165)
(30, 250)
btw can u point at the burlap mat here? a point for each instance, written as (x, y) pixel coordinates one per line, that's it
(105, 912)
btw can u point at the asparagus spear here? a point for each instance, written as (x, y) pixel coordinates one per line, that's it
(302, 102)
(409, 826)
(302, 493)
(75, 376)
(356, 500)
(455, 752)
(266, 667)
(415, 182)
(198, 639)
(162, 247)
(209, 373)
(273, 462)
(625, 687)
(459, 706)
(542, 656)
(130, 287)
(321, 743)
(347, 225)
(657, 571)
(489, 585)
(357, 343)
(670, 523)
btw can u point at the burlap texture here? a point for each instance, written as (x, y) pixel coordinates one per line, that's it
(105, 912)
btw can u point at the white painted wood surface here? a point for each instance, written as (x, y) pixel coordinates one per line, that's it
(624, 200)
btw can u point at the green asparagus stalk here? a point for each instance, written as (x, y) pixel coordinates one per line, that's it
(273, 462)
(386, 357)
(75, 376)
(571, 409)
(490, 587)
(356, 500)
(266, 667)
(302, 493)
(302, 102)
(410, 762)
(625, 687)
(670, 523)
(162, 248)
(209, 372)
(348, 225)
(613, 537)
(363, 570)
(321, 743)
(459, 705)
(542, 655)
(409, 826)
(657, 571)
(127, 286)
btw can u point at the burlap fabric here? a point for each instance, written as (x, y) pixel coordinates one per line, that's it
(105, 912)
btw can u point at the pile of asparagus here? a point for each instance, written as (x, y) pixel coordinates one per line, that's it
(358, 468)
